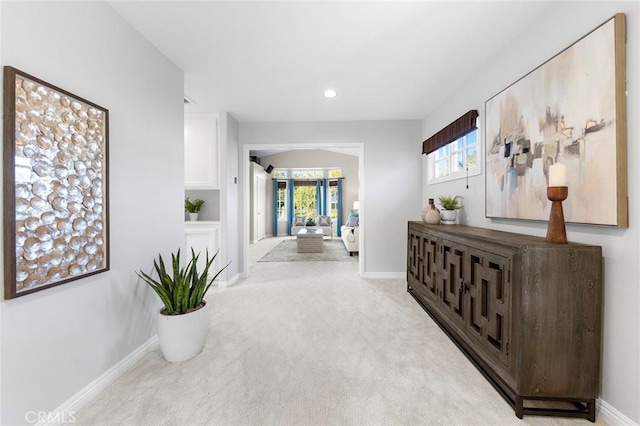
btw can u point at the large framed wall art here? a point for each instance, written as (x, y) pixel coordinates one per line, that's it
(572, 110)
(56, 223)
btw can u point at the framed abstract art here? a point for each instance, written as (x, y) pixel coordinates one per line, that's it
(569, 110)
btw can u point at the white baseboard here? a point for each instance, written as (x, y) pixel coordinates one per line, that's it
(390, 275)
(230, 282)
(89, 392)
(610, 415)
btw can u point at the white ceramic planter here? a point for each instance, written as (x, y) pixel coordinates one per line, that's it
(193, 217)
(448, 216)
(183, 336)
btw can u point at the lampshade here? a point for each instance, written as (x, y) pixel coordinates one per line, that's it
(356, 205)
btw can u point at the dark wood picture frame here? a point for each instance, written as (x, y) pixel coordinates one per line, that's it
(571, 109)
(56, 185)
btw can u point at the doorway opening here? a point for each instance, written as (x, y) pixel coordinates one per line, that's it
(355, 149)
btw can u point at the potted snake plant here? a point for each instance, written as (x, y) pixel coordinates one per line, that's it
(183, 322)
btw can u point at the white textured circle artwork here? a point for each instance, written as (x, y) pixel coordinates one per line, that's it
(59, 186)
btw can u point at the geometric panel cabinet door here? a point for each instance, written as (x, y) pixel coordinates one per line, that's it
(526, 312)
(201, 168)
(489, 295)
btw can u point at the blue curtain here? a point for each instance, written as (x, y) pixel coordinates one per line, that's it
(339, 224)
(325, 197)
(319, 197)
(291, 209)
(275, 207)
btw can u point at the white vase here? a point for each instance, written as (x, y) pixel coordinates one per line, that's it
(193, 217)
(448, 216)
(183, 336)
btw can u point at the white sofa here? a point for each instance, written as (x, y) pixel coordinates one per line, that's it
(327, 231)
(351, 238)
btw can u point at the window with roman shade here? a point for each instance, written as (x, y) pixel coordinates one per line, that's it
(455, 130)
(454, 151)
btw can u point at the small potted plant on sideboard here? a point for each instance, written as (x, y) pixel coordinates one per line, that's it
(449, 211)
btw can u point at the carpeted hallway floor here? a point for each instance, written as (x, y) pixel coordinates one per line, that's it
(311, 343)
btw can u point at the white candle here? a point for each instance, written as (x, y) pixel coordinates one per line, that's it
(558, 175)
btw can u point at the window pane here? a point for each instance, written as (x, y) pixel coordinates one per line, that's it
(335, 173)
(282, 211)
(333, 201)
(442, 168)
(442, 152)
(472, 138)
(472, 156)
(457, 162)
(280, 173)
(305, 201)
(456, 156)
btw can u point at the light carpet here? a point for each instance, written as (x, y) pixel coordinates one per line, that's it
(287, 251)
(302, 344)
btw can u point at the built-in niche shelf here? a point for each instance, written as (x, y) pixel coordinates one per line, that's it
(210, 209)
(202, 180)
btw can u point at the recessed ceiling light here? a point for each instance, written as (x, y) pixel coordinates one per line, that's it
(330, 93)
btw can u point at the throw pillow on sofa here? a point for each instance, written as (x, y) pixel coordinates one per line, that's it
(353, 219)
(324, 220)
(300, 221)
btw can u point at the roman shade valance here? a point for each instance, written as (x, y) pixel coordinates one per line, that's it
(450, 133)
(301, 182)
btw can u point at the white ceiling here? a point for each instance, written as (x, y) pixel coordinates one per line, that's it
(271, 61)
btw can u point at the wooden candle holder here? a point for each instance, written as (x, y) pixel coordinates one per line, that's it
(556, 232)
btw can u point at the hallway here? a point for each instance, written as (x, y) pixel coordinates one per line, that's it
(299, 343)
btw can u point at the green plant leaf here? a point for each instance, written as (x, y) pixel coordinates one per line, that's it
(193, 206)
(181, 289)
(449, 203)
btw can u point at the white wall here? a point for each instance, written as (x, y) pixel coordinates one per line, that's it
(310, 159)
(56, 341)
(391, 178)
(230, 221)
(554, 31)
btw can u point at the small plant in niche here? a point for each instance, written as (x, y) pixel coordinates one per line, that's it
(449, 203)
(193, 206)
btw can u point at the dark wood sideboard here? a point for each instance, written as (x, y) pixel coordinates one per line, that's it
(526, 312)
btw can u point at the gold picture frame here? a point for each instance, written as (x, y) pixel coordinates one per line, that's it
(56, 221)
